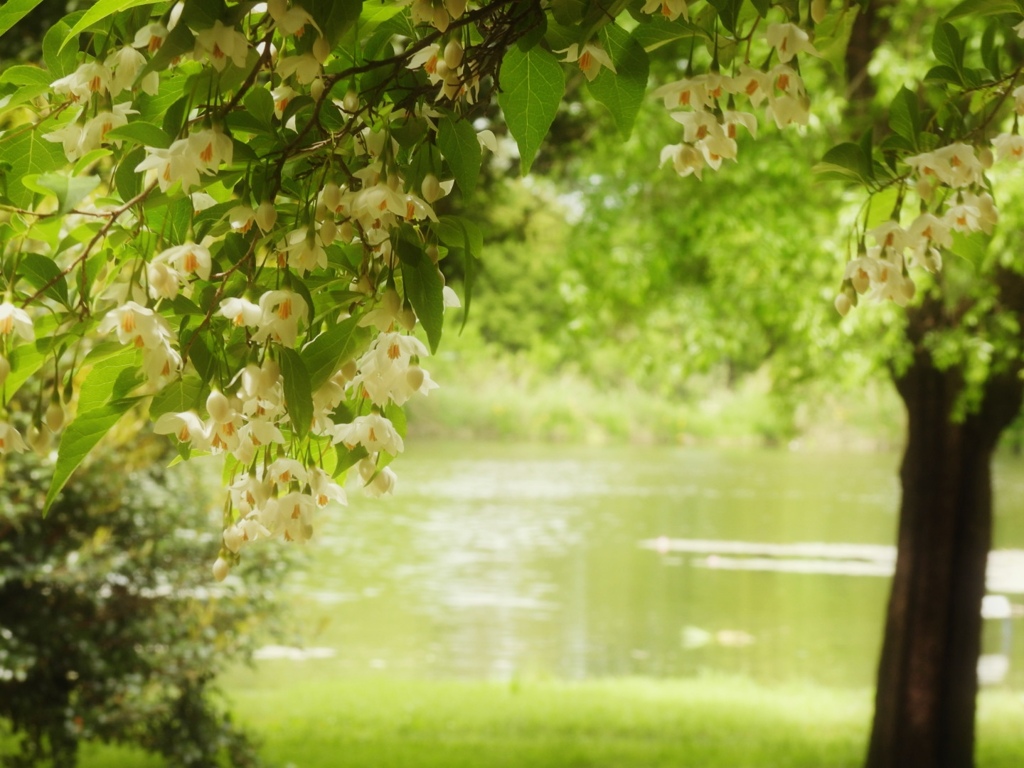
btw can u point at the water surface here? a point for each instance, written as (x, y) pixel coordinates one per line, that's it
(497, 561)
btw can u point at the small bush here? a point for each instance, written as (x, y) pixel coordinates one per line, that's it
(111, 627)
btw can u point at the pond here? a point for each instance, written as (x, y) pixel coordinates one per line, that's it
(500, 561)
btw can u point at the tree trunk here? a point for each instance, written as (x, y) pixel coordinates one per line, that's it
(927, 676)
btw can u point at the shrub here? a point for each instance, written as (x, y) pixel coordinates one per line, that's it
(111, 627)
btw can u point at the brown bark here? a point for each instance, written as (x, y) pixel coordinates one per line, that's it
(927, 678)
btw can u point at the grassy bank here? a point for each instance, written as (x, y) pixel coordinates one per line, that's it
(309, 721)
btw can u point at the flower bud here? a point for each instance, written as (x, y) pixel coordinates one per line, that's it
(843, 304)
(453, 54)
(38, 440)
(328, 231)
(367, 468)
(431, 188)
(985, 157)
(414, 377)
(350, 369)
(266, 216)
(331, 196)
(350, 103)
(234, 537)
(346, 232)
(219, 407)
(407, 318)
(907, 288)
(316, 88)
(441, 69)
(321, 49)
(819, 9)
(384, 482)
(54, 416)
(432, 253)
(221, 569)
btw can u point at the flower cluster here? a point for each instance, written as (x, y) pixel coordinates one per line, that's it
(951, 186)
(706, 103)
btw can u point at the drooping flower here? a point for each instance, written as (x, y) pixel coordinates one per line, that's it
(10, 439)
(373, 431)
(789, 40)
(220, 44)
(589, 57)
(15, 320)
(670, 9)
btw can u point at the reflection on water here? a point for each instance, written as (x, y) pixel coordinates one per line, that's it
(498, 560)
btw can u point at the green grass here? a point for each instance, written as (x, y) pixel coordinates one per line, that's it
(629, 722)
(308, 720)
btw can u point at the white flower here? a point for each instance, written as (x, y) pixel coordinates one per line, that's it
(383, 368)
(589, 58)
(179, 162)
(125, 64)
(209, 148)
(305, 67)
(186, 426)
(136, 325)
(685, 158)
(241, 218)
(15, 320)
(788, 40)
(304, 252)
(92, 77)
(219, 44)
(374, 432)
(753, 83)
(324, 489)
(240, 311)
(10, 439)
(670, 9)
(150, 37)
(1009, 146)
(279, 319)
(381, 484)
(188, 259)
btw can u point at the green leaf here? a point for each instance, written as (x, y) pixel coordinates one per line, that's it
(943, 74)
(260, 105)
(660, 31)
(845, 161)
(28, 154)
(330, 350)
(460, 147)
(14, 11)
(983, 8)
(25, 360)
(464, 238)
(101, 403)
(101, 10)
(904, 116)
(622, 91)
(973, 247)
(947, 46)
(761, 6)
(728, 12)
(42, 271)
(59, 61)
(532, 86)
(177, 397)
(298, 395)
(80, 437)
(424, 288)
(141, 132)
(127, 181)
(24, 74)
(70, 191)
(334, 17)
